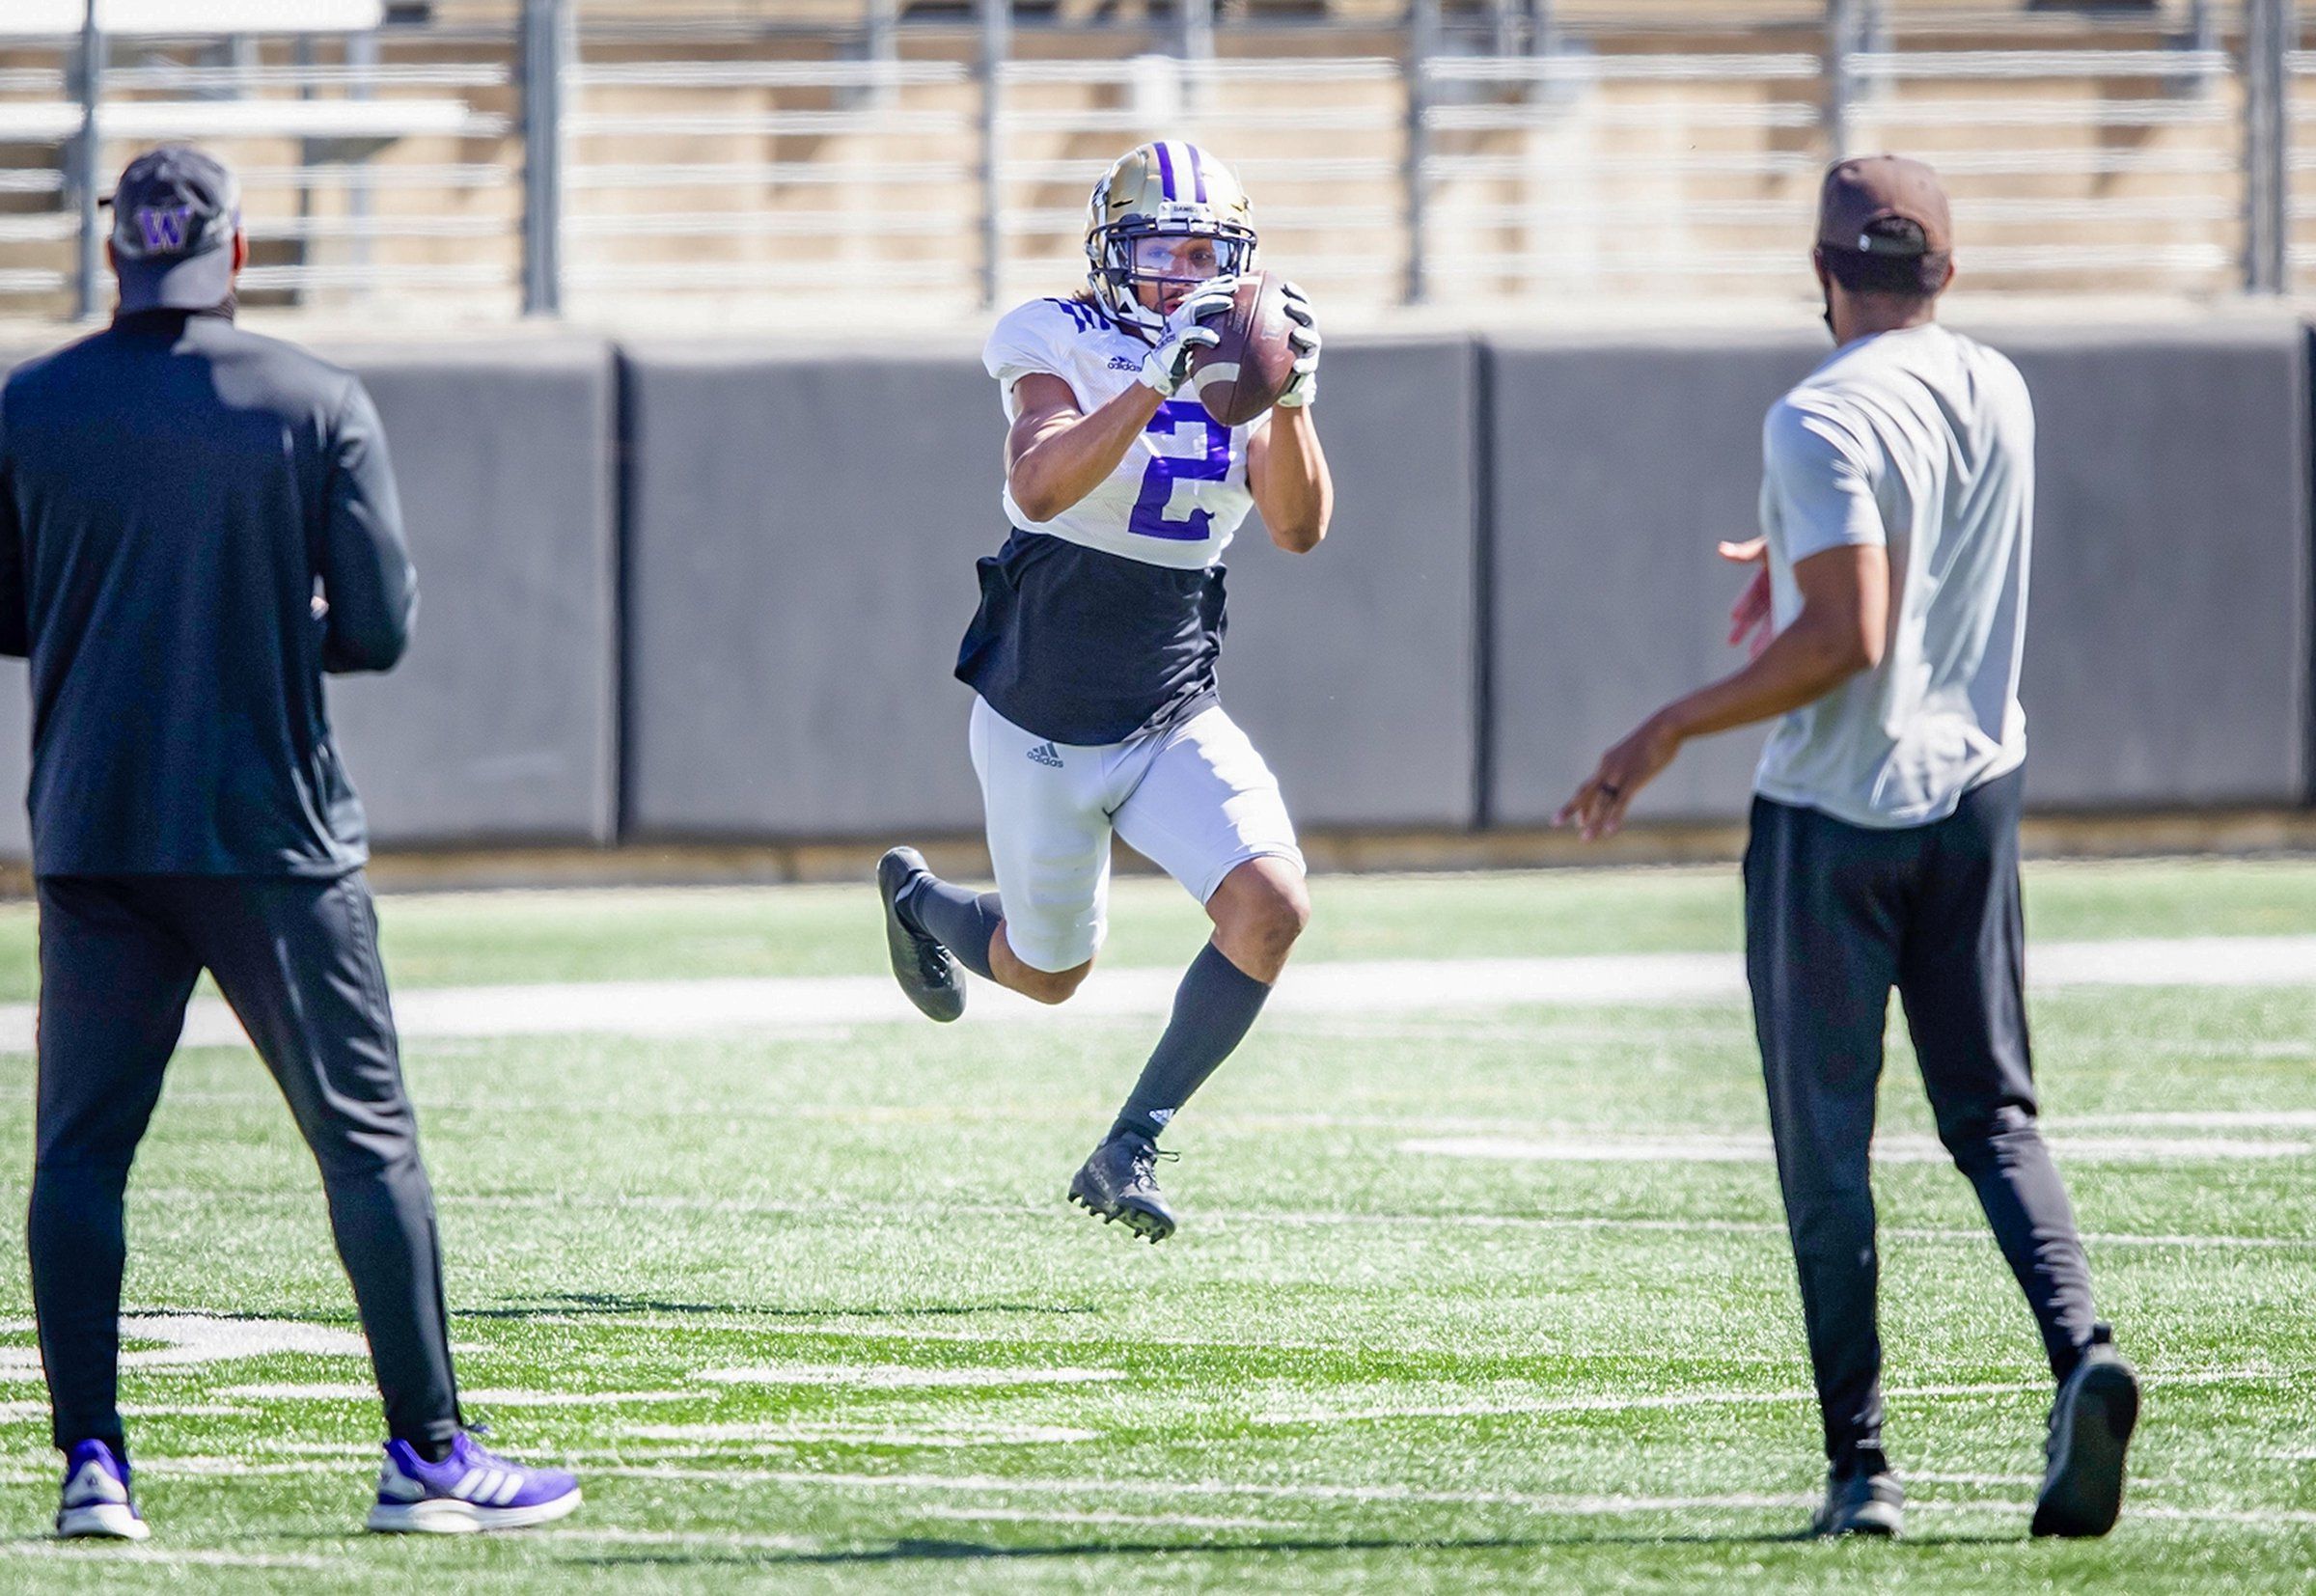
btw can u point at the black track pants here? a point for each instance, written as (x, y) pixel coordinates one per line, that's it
(298, 960)
(1837, 915)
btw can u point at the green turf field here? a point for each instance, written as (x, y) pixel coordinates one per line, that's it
(1463, 1300)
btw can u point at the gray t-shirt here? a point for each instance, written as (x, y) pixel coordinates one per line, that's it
(1923, 442)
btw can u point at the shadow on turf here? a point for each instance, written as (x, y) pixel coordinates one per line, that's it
(932, 1551)
(566, 1303)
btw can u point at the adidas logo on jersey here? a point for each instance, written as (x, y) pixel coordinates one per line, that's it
(1045, 754)
(1119, 363)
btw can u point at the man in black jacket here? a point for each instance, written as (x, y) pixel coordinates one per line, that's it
(196, 523)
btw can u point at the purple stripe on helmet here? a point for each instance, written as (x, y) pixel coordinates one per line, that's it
(1166, 169)
(1198, 173)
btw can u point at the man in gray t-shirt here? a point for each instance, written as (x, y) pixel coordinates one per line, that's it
(1919, 443)
(1890, 615)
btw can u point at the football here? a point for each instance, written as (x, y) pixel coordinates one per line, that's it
(1240, 377)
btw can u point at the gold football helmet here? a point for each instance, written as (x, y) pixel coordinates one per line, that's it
(1166, 189)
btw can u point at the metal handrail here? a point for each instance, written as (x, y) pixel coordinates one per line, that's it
(1627, 68)
(767, 74)
(700, 174)
(1515, 118)
(1344, 69)
(802, 224)
(1793, 214)
(758, 123)
(1131, 121)
(240, 79)
(1984, 64)
(2025, 259)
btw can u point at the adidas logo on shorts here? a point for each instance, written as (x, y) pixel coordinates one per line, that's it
(1045, 754)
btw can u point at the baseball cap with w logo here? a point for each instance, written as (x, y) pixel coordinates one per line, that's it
(175, 213)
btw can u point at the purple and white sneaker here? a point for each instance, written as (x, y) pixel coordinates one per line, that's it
(469, 1489)
(96, 1503)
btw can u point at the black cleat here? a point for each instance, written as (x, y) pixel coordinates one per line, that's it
(1860, 1504)
(922, 966)
(2090, 1428)
(1120, 1182)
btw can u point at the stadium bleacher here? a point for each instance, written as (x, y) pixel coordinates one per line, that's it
(726, 155)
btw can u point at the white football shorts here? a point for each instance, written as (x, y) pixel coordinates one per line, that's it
(1195, 799)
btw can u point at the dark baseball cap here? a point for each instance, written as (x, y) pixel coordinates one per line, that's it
(175, 213)
(1884, 206)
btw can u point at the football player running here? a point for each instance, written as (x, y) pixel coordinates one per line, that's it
(1093, 651)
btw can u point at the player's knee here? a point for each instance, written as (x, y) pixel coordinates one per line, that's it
(1266, 905)
(1287, 912)
(1054, 986)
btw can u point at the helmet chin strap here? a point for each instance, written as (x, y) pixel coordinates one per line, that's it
(1125, 305)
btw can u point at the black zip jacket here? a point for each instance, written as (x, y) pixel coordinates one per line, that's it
(195, 524)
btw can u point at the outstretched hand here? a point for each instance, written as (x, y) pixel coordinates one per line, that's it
(1597, 810)
(1749, 626)
(1302, 336)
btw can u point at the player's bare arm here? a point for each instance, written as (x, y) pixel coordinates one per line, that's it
(1287, 469)
(1056, 454)
(1749, 625)
(1841, 629)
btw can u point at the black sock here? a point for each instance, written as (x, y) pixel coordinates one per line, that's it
(961, 921)
(430, 1448)
(1214, 1009)
(1865, 1462)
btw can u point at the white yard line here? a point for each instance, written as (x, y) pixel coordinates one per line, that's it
(27, 1367)
(29, 1410)
(1709, 1399)
(82, 1554)
(899, 1377)
(350, 1391)
(1746, 1148)
(708, 1006)
(911, 1215)
(1065, 1515)
(960, 1434)
(726, 1539)
(1081, 1487)
(194, 1338)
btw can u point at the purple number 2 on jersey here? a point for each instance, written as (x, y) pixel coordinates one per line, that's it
(1211, 464)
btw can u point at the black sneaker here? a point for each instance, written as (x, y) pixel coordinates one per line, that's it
(922, 966)
(1119, 1181)
(2090, 1428)
(1860, 1504)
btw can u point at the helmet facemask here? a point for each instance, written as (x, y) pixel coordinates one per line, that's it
(1124, 264)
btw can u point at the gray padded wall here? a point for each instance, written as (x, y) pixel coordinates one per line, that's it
(500, 724)
(2167, 649)
(15, 709)
(796, 610)
(15, 760)
(2167, 652)
(1617, 468)
(1352, 666)
(804, 529)
(802, 532)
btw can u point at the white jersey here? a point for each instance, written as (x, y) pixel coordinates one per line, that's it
(1922, 442)
(1180, 494)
